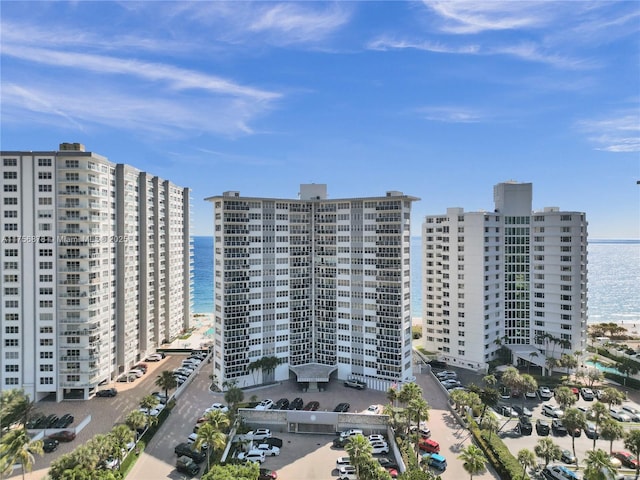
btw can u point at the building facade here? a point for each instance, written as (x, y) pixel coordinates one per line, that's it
(322, 285)
(95, 269)
(511, 277)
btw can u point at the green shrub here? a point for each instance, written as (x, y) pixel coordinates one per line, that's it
(416, 332)
(497, 453)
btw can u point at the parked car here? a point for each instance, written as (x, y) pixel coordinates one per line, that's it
(273, 441)
(627, 459)
(107, 392)
(446, 374)
(340, 442)
(259, 434)
(296, 404)
(428, 445)
(219, 406)
(619, 415)
(355, 383)
(342, 461)
(377, 438)
(558, 428)
(506, 411)
(154, 357)
(568, 457)
(162, 398)
(50, 421)
(544, 393)
(281, 404)
(387, 463)
(186, 449)
(633, 412)
(63, 436)
(137, 373)
(542, 427)
(590, 431)
(551, 411)
(531, 394)
(252, 456)
(64, 421)
(185, 464)
(266, 474)
(352, 432)
(49, 444)
(524, 425)
(522, 411)
(378, 448)
(436, 461)
(269, 450)
(264, 404)
(342, 407)
(560, 472)
(587, 394)
(450, 383)
(312, 406)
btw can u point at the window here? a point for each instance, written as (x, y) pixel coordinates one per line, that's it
(10, 162)
(44, 175)
(12, 329)
(44, 162)
(10, 188)
(46, 342)
(45, 201)
(46, 381)
(10, 175)
(11, 368)
(11, 342)
(45, 188)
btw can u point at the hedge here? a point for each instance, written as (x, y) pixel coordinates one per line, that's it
(497, 453)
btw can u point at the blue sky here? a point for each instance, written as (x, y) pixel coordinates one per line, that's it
(440, 100)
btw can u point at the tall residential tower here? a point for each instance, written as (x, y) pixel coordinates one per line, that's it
(509, 277)
(96, 265)
(322, 285)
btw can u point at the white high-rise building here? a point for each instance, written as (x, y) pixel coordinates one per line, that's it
(509, 277)
(323, 285)
(96, 265)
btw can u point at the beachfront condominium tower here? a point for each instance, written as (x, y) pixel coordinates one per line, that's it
(510, 277)
(95, 268)
(321, 285)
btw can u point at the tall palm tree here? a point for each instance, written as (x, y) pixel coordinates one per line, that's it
(214, 439)
(611, 430)
(408, 392)
(149, 402)
(473, 460)
(574, 420)
(136, 420)
(612, 396)
(532, 355)
(17, 447)
(600, 412)
(632, 443)
(565, 397)
(218, 420)
(359, 449)
(121, 435)
(598, 466)
(166, 381)
(527, 459)
(547, 450)
(490, 423)
(392, 396)
(233, 396)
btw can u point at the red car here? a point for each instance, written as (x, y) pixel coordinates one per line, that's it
(63, 436)
(628, 460)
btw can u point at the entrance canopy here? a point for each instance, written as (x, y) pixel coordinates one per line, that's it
(313, 372)
(529, 353)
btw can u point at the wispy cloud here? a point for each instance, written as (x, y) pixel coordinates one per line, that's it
(461, 17)
(451, 114)
(619, 132)
(387, 43)
(177, 78)
(153, 113)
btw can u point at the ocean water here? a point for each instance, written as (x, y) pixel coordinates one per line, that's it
(614, 279)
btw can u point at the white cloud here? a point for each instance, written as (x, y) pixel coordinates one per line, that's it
(385, 43)
(451, 114)
(461, 17)
(619, 132)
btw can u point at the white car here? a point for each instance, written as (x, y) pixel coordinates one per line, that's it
(552, 411)
(619, 415)
(193, 438)
(446, 375)
(342, 461)
(377, 438)
(265, 404)
(347, 469)
(545, 393)
(379, 448)
(373, 410)
(137, 373)
(633, 412)
(154, 412)
(218, 406)
(351, 433)
(252, 456)
(531, 394)
(268, 450)
(259, 434)
(154, 357)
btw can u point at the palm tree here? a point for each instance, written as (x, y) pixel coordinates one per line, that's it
(233, 396)
(527, 459)
(473, 460)
(16, 407)
(214, 439)
(359, 449)
(418, 410)
(574, 420)
(611, 430)
(532, 355)
(598, 466)
(489, 423)
(17, 447)
(565, 397)
(600, 412)
(547, 450)
(136, 420)
(511, 378)
(408, 392)
(612, 397)
(166, 381)
(527, 384)
(551, 363)
(568, 361)
(627, 367)
(392, 396)
(632, 443)
(218, 420)
(121, 436)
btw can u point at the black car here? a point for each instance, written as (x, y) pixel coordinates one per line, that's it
(340, 442)
(50, 421)
(186, 450)
(312, 406)
(35, 422)
(64, 421)
(49, 445)
(266, 474)
(185, 464)
(281, 404)
(558, 428)
(296, 404)
(542, 427)
(387, 463)
(107, 392)
(524, 425)
(273, 442)
(342, 407)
